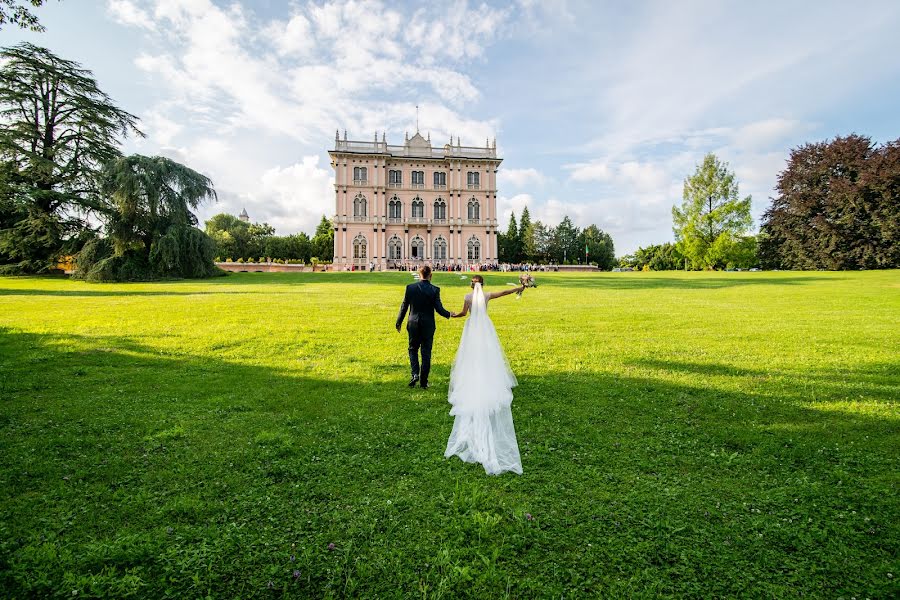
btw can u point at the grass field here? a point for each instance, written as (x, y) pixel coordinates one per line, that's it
(686, 435)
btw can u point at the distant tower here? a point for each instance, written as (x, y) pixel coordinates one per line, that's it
(244, 216)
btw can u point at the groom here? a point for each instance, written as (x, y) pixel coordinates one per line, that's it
(422, 299)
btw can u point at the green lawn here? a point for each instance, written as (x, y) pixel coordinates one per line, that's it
(686, 435)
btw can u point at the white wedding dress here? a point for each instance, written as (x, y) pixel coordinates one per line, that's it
(481, 385)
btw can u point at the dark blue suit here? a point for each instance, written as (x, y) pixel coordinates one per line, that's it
(422, 300)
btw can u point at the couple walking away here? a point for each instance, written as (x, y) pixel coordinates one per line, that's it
(481, 381)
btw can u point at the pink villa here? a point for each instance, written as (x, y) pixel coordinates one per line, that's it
(412, 204)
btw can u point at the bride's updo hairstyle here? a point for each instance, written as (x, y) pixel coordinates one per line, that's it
(477, 279)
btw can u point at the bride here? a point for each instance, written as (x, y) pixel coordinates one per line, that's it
(481, 385)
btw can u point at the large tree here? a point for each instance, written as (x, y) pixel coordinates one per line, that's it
(509, 242)
(712, 217)
(151, 227)
(526, 237)
(837, 207)
(597, 247)
(565, 242)
(543, 241)
(323, 241)
(57, 131)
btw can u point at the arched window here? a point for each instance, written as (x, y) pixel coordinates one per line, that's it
(474, 248)
(395, 178)
(360, 245)
(440, 210)
(474, 210)
(360, 206)
(360, 174)
(418, 208)
(473, 179)
(417, 248)
(395, 246)
(395, 208)
(440, 248)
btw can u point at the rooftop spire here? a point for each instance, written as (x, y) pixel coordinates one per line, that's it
(417, 118)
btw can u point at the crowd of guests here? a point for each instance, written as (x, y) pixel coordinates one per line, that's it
(478, 267)
(457, 267)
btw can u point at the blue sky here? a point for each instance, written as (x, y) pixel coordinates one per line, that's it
(600, 109)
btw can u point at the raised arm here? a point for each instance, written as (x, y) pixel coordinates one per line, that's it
(492, 295)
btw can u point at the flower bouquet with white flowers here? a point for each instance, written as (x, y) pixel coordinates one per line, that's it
(525, 280)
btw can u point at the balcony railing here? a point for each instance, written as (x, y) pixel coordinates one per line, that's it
(474, 221)
(473, 186)
(360, 182)
(440, 221)
(418, 186)
(394, 184)
(360, 218)
(416, 220)
(440, 186)
(395, 219)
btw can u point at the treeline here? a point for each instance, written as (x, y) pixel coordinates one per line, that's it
(62, 172)
(235, 240)
(528, 242)
(837, 207)
(667, 257)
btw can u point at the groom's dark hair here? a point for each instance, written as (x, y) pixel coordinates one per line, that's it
(425, 272)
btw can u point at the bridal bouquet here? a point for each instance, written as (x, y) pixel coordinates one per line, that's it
(526, 280)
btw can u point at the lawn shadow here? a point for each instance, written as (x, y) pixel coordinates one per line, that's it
(877, 382)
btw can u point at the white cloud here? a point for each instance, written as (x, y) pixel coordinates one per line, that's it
(126, 13)
(633, 175)
(162, 129)
(293, 198)
(519, 178)
(763, 134)
(291, 38)
(350, 62)
(514, 204)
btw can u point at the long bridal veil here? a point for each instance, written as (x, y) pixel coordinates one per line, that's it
(481, 385)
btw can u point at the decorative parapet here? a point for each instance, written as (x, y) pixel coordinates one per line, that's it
(417, 147)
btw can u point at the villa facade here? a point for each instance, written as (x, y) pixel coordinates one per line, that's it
(413, 204)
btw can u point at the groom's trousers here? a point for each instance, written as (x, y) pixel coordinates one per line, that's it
(419, 339)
